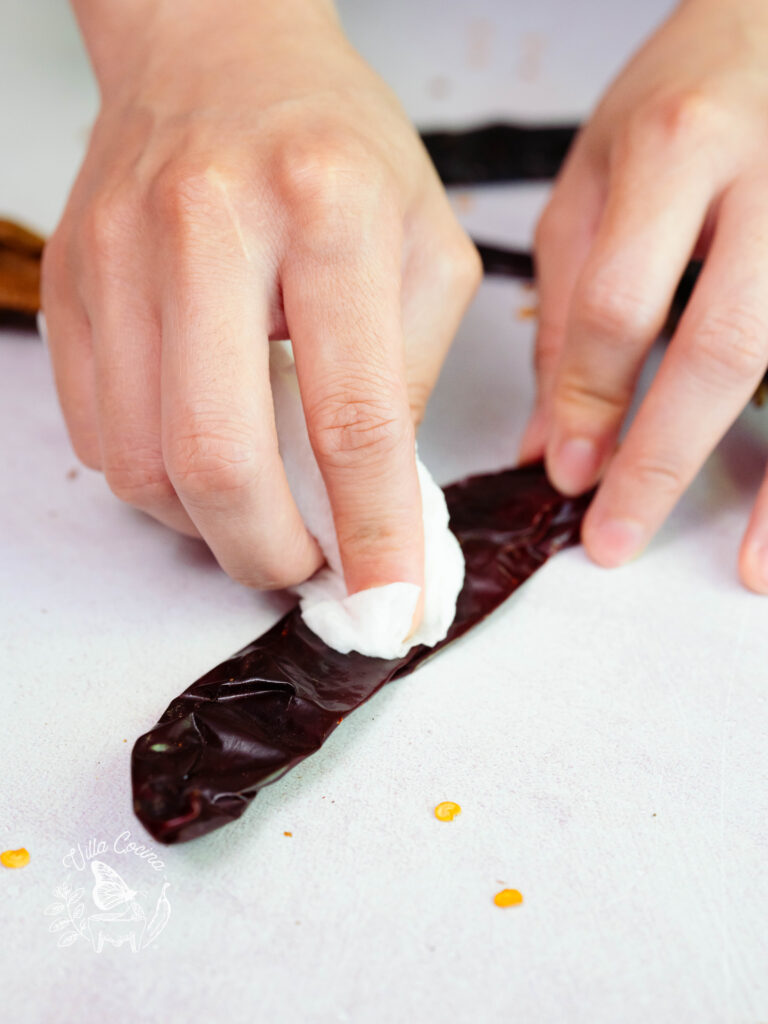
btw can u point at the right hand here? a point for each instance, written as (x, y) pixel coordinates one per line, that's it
(248, 178)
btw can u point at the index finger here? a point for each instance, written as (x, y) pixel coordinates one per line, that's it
(656, 205)
(712, 367)
(341, 294)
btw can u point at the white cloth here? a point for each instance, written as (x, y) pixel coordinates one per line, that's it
(375, 621)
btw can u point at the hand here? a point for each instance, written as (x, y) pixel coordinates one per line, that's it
(673, 163)
(249, 178)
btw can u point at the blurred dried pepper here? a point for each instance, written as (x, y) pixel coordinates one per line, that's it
(519, 264)
(20, 254)
(499, 152)
(258, 714)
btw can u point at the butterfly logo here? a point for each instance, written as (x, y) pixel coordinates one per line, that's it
(119, 917)
(110, 891)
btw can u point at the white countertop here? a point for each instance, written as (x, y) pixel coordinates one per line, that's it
(604, 733)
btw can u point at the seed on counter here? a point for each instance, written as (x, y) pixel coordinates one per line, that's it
(447, 810)
(14, 858)
(508, 898)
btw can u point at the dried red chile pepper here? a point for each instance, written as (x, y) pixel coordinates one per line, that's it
(249, 721)
(499, 152)
(257, 715)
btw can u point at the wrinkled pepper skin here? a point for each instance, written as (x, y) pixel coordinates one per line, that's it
(257, 715)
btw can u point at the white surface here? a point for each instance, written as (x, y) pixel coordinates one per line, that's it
(376, 621)
(604, 733)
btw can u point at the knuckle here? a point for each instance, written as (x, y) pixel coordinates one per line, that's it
(141, 482)
(657, 474)
(181, 192)
(603, 307)
(383, 537)
(461, 266)
(581, 396)
(105, 223)
(331, 182)
(211, 456)
(97, 231)
(276, 567)
(347, 428)
(729, 347)
(679, 119)
(691, 113)
(323, 165)
(263, 577)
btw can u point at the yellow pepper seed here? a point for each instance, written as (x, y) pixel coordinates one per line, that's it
(508, 898)
(447, 810)
(14, 858)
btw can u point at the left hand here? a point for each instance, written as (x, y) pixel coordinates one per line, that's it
(674, 163)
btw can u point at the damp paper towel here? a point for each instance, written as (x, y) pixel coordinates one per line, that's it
(374, 622)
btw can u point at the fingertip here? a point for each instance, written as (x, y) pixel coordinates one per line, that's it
(613, 541)
(86, 444)
(280, 573)
(753, 566)
(175, 517)
(365, 571)
(573, 464)
(753, 554)
(303, 561)
(311, 558)
(381, 549)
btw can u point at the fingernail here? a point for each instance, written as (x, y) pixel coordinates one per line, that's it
(574, 465)
(615, 541)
